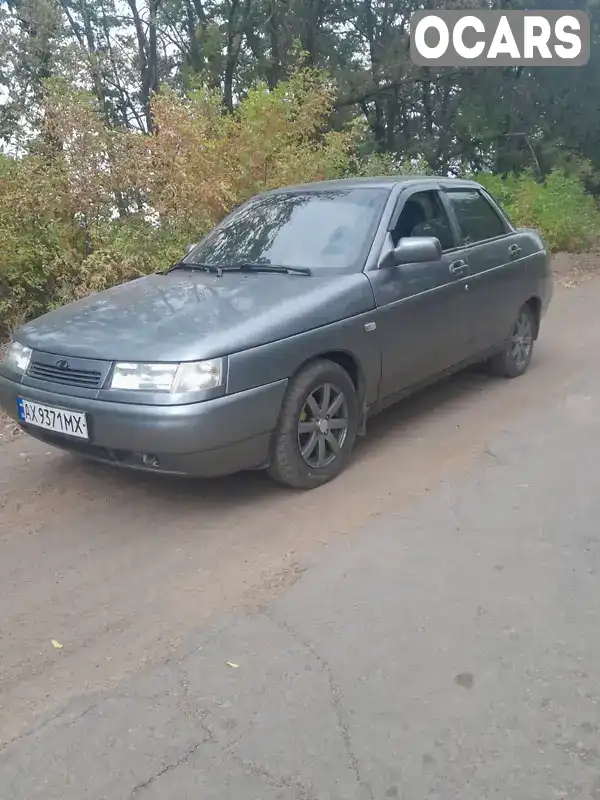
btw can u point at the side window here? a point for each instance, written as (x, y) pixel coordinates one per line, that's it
(477, 219)
(423, 215)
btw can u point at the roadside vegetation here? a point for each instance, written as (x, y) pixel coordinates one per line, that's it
(128, 130)
(90, 206)
(559, 206)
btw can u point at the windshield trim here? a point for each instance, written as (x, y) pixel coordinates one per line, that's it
(362, 256)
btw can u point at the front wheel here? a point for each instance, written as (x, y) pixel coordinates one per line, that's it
(514, 360)
(317, 427)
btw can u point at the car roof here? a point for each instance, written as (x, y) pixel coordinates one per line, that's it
(382, 182)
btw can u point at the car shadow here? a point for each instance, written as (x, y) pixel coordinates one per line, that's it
(433, 400)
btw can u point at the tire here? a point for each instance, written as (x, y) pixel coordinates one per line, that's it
(513, 361)
(307, 450)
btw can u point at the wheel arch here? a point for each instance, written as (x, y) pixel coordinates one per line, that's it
(352, 366)
(535, 305)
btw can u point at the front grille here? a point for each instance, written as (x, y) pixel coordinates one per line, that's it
(85, 379)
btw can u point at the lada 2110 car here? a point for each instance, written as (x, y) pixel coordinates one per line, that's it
(272, 341)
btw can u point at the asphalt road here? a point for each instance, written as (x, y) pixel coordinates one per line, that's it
(427, 626)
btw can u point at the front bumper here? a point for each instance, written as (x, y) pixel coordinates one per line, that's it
(207, 439)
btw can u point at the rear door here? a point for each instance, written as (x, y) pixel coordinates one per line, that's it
(422, 321)
(496, 255)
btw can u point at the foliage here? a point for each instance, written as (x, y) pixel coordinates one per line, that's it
(131, 127)
(388, 164)
(559, 207)
(91, 205)
(502, 119)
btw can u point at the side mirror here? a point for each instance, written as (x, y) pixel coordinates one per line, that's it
(190, 247)
(417, 250)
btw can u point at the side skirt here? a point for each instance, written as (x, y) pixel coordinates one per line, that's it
(392, 399)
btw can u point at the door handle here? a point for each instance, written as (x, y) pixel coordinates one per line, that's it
(458, 267)
(514, 250)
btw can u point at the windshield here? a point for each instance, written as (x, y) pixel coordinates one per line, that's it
(327, 230)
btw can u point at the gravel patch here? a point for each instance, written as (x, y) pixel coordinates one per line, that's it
(571, 269)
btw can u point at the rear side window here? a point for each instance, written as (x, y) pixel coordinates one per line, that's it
(477, 219)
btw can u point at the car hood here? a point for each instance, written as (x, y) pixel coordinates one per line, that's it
(186, 315)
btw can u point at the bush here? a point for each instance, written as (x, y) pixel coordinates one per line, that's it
(380, 164)
(90, 207)
(560, 208)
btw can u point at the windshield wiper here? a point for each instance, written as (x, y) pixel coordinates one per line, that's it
(199, 265)
(239, 266)
(258, 266)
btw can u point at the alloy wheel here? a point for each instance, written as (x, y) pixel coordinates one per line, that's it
(323, 426)
(521, 340)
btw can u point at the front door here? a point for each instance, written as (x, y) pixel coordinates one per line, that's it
(422, 308)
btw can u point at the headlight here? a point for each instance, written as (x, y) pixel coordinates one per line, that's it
(17, 358)
(174, 378)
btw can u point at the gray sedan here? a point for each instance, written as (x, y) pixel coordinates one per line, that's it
(274, 339)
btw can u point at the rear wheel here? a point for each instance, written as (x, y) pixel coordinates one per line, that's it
(514, 360)
(317, 427)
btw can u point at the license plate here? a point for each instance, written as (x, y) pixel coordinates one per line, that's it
(59, 420)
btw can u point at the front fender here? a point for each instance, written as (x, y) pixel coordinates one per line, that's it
(275, 361)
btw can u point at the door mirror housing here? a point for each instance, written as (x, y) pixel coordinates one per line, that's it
(416, 250)
(190, 247)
